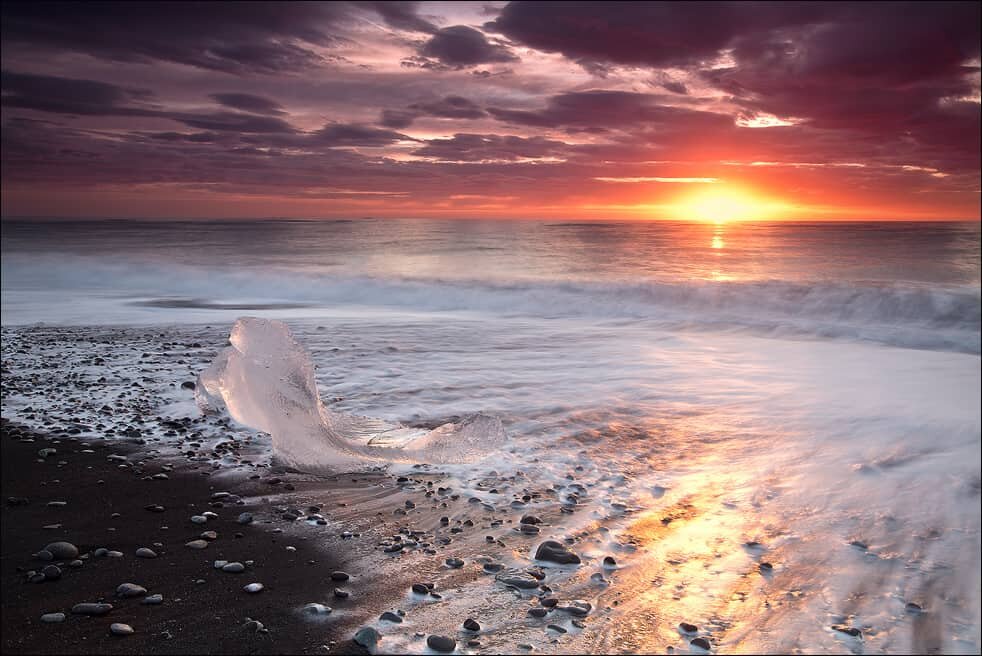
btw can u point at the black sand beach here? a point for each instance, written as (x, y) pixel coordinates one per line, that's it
(203, 610)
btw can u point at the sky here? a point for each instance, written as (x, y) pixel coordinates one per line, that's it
(599, 110)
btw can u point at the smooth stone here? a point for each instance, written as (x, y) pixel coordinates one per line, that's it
(556, 628)
(472, 625)
(196, 544)
(245, 518)
(554, 552)
(209, 535)
(529, 529)
(144, 552)
(121, 629)
(367, 637)
(127, 590)
(685, 627)
(848, 630)
(317, 609)
(218, 564)
(91, 609)
(341, 594)
(62, 550)
(576, 607)
(44, 554)
(154, 600)
(53, 618)
(766, 567)
(252, 588)
(702, 643)
(456, 563)
(441, 643)
(911, 607)
(340, 576)
(51, 572)
(254, 625)
(389, 616)
(114, 554)
(233, 568)
(609, 562)
(530, 519)
(419, 588)
(198, 519)
(538, 612)
(522, 580)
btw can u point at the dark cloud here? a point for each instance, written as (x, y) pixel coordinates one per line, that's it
(606, 109)
(233, 122)
(249, 103)
(460, 46)
(233, 37)
(454, 107)
(342, 134)
(490, 147)
(48, 93)
(674, 87)
(401, 15)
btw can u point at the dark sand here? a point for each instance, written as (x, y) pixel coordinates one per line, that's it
(195, 617)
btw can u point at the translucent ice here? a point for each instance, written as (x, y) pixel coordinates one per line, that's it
(265, 380)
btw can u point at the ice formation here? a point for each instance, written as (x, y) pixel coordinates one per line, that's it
(265, 380)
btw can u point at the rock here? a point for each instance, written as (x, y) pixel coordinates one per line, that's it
(519, 579)
(196, 544)
(367, 637)
(911, 607)
(556, 628)
(245, 518)
(530, 519)
(471, 624)
(317, 609)
(340, 576)
(209, 535)
(127, 590)
(576, 607)
(455, 563)
(233, 568)
(51, 573)
(538, 612)
(198, 519)
(529, 529)
(685, 627)
(341, 594)
(609, 562)
(44, 554)
(441, 643)
(848, 630)
(702, 643)
(766, 568)
(53, 618)
(218, 564)
(76, 563)
(120, 629)
(145, 552)
(548, 602)
(419, 588)
(253, 588)
(62, 550)
(114, 554)
(154, 600)
(254, 625)
(157, 508)
(189, 385)
(91, 609)
(554, 552)
(389, 616)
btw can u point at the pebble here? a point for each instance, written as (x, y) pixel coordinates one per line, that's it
(367, 637)
(609, 562)
(91, 609)
(233, 568)
(317, 609)
(914, 608)
(254, 625)
(554, 552)
(120, 629)
(576, 607)
(766, 567)
(471, 624)
(848, 630)
(209, 535)
(198, 519)
(196, 544)
(702, 643)
(419, 588)
(341, 594)
(154, 600)
(522, 580)
(127, 590)
(340, 576)
(245, 518)
(53, 618)
(556, 628)
(51, 572)
(456, 563)
(62, 550)
(538, 612)
(389, 616)
(254, 587)
(441, 643)
(144, 552)
(685, 627)
(530, 519)
(529, 529)
(44, 554)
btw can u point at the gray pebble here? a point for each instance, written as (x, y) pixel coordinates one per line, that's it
(53, 618)
(145, 552)
(441, 643)
(121, 629)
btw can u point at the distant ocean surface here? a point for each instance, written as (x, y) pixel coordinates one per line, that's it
(906, 284)
(812, 387)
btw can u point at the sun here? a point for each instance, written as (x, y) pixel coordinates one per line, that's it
(726, 205)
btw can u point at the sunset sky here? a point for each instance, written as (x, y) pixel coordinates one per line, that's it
(750, 110)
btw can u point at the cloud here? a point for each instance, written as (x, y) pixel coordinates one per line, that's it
(461, 46)
(47, 93)
(401, 15)
(451, 107)
(264, 37)
(249, 103)
(491, 147)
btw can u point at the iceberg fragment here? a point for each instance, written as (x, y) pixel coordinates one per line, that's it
(265, 380)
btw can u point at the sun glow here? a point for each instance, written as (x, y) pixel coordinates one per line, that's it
(725, 205)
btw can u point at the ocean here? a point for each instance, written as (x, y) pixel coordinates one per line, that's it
(809, 387)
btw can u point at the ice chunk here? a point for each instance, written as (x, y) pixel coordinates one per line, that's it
(265, 380)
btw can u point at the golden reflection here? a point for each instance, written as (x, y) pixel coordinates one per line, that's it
(718, 242)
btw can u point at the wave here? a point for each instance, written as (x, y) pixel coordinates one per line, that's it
(944, 318)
